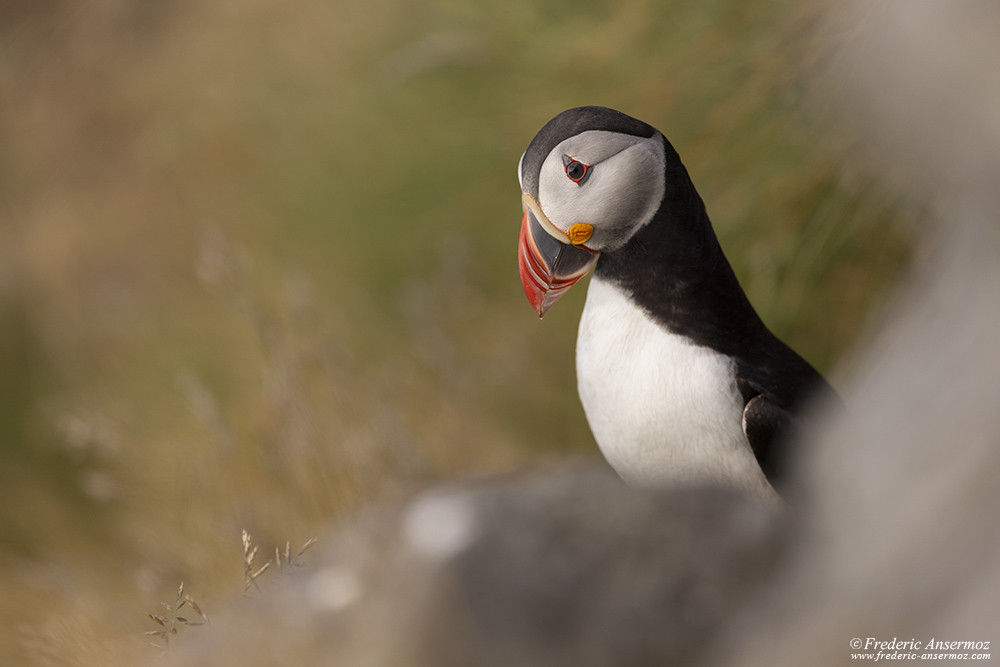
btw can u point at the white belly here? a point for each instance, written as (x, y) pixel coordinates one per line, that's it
(661, 408)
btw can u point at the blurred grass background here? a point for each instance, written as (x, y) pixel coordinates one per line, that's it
(257, 262)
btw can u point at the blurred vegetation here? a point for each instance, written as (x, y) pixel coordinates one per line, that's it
(257, 262)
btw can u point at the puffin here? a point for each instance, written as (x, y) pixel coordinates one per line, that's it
(680, 379)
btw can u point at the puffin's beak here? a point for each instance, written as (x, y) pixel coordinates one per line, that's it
(550, 261)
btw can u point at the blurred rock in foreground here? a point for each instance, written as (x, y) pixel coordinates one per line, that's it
(566, 567)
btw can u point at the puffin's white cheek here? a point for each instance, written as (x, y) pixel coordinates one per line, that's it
(640, 187)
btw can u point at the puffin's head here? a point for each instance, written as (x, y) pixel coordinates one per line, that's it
(590, 179)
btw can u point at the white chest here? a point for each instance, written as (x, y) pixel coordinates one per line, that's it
(661, 408)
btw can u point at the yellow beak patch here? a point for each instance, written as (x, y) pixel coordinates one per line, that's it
(580, 233)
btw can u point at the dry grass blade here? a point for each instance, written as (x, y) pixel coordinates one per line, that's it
(168, 622)
(305, 547)
(250, 570)
(194, 605)
(261, 570)
(278, 559)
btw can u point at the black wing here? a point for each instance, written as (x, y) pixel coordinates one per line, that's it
(771, 418)
(765, 423)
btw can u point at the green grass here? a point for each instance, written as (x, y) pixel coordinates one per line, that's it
(257, 264)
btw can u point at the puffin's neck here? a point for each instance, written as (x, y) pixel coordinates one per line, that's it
(674, 268)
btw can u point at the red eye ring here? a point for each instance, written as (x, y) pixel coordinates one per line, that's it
(576, 171)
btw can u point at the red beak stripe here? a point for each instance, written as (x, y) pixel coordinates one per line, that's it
(548, 266)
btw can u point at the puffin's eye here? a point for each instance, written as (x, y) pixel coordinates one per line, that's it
(576, 171)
